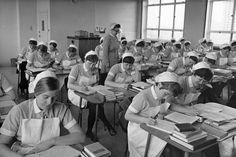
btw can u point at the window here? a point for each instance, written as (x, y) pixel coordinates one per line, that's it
(221, 22)
(165, 19)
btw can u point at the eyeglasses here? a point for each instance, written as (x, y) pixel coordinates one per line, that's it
(91, 63)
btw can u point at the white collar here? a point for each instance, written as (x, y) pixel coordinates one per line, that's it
(183, 60)
(154, 94)
(85, 69)
(135, 49)
(67, 54)
(36, 108)
(190, 82)
(122, 67)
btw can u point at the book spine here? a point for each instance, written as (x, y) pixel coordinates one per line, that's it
(181, 142)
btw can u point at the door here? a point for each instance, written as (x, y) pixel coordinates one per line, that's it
(43, 20)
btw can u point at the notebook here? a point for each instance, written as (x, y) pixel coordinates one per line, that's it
(181, 118)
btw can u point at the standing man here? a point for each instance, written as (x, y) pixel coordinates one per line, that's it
(110, 50)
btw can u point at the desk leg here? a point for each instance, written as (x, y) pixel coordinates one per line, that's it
(147, 145)
(186, 154)
(80, 113)
(96, 123)
(114, 114)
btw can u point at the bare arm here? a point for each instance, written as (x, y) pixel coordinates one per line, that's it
(72, 84)
(134, 117)
(5, 151)
(10, 95)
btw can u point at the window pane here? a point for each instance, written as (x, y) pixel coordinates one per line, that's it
(165, 35)
(179, 16)
(221, 15)
(167, 1)
(234, 37)
(167, 16)
(220, 38)
(180, 1)
(153, 1)
(178, 34)
(152, 19)
(152, 34)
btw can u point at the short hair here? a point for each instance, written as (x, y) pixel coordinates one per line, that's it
(187, 43)
(141, 44)
(195, 59)
(228, 47)
(46, 84)
(204, 73)
(53, 44)
(117, 26)
(174, 87)
(178, 46)
(33, 42)
(72, 49)
(128, 59)
(212, 61)
(124, 42)
(43, 48)
(92, 58)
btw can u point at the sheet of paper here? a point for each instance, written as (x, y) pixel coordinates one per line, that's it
(208, 107)
(57, 151)
(218, 117)
(181, 118)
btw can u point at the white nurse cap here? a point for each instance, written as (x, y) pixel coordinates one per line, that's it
(192, 53)
(72, 45)
(201, 65)
(138, 41)
(114, 25)
(233, 43)
(127, 54)
(52, 41)
(211, 55)
(32, 39)
(225, 45)
(44, 74)
(166, 77)
(187, 42)
(157, 44)
(91, 52)
(42, 43)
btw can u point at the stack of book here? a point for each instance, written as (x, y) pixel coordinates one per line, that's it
(222, 72)
(187, 135)
(95, 150)
(139, 86)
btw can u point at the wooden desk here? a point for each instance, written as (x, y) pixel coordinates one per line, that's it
(165, 136)
(99, 99)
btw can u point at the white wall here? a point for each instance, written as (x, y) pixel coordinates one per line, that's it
(86, 14)
(194, 24)
(8, 31)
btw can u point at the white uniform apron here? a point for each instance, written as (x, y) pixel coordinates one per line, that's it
(125, 78)
(35, 131)
(74, 98)
(137, 138)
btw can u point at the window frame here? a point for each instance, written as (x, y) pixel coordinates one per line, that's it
(158, 29)
(208, 30)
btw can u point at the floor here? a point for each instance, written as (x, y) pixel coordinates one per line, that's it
(116, 144)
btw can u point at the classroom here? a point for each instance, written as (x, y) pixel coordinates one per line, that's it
(132, 78)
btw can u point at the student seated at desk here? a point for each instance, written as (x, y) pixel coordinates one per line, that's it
(24, 121)
(53, 51)
(68, 59)
(223, 56)
(137, 50)
(154, 54)
(182, 65)
(80, 77)
(22, 59)
(143, 109)
(41, 58)
(176, 50)
(211, 59)
(6, 89)
(193, 86)
(187, 47)
(123, 48)
(201, 48)
(123, 74)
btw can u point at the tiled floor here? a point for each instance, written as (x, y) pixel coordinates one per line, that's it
(117, 144)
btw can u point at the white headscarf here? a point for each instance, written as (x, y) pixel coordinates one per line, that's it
(44, 74)
(91, 52)
(166, 77)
